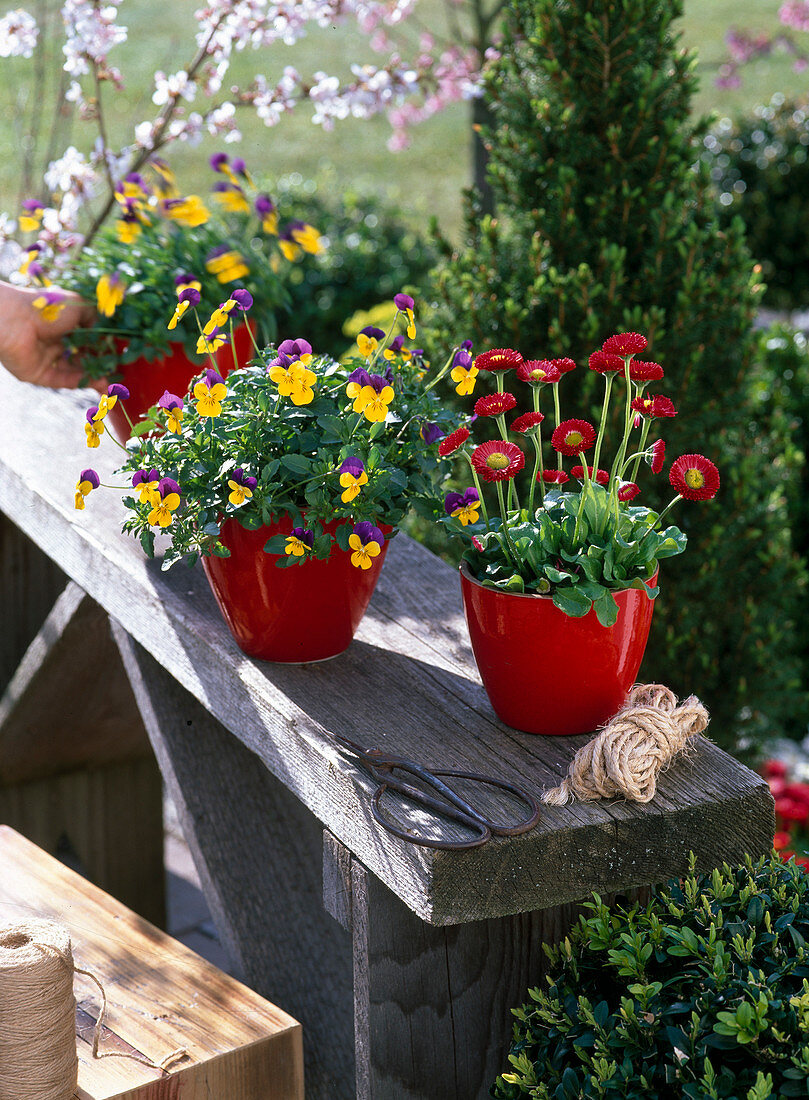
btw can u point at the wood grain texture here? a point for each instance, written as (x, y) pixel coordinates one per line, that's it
(258, 853)
(408, 683)
(69, 702)
(160, 995)
(106, 821)
(30, 583)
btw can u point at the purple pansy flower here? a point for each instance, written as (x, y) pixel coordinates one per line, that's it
(183, 280)
(378, 382)
(454, 501)
(264, 205)
(372, 332)
(212, 378)
(118, 390)
(243, 298)
(304, 535)
(170, 401)
(462, 358)
(166, 486)
(369, 533)
(32, 206)
(90, 415)
(396, 343)
(91, 476)
(360, 376)
(143, 477)
(238, 476)
(404, 302)
(35, 270)
(189, 295)
(238, 166)
(353, 466)
(295, 348)
(217, 160)
(466, 345)
(431, 433)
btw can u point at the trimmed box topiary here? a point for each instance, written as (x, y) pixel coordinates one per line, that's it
(702, 993)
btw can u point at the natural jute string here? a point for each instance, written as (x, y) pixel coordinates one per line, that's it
(626, 757)
(38, 1058)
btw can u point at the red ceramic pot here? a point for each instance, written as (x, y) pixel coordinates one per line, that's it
(545, 672)
(147, 379)
(308, 612)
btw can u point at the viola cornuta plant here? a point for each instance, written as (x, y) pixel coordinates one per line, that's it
(573, 534)
(344, 449)
(233, 237)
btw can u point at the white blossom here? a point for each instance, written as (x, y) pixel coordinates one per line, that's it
(175, 86)
(18, 34)
(71, 172)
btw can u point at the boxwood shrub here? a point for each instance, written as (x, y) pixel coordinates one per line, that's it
(701, 993)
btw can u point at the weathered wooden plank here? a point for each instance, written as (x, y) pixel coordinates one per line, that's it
(30, 583)
(69, 702)
(409, 686)
(106, 821)
(258, 853)
(161, 997)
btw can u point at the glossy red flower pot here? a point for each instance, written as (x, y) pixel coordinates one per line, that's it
(307, 612)
(546, 672)
(147, 379)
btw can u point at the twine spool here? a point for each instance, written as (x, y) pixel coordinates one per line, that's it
(38, 1059)
(627, 756)
(37, 1013)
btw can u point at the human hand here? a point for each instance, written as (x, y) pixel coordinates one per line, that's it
(31, 346)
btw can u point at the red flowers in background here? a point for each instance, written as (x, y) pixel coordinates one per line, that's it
(602, 362)
(498, 359)
(493, 404)
(573, 436)
(453, 442)
(527, 421)
(791, 812)
(625, 343)
(538, 370)
(694, 477)
(497, 460)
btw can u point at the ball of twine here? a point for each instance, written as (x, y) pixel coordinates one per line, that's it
(38, 1059)
(37, 1013)
(627, 756)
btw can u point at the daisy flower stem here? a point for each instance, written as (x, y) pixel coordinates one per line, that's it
(384, 343)
(619, 458)
(644, 435)
(511, 553)
(670, 504)
(585, 489)
(558, 415)
(538, 461)
(501, 424)
(602, 424)
(205, 338)
(476, 480)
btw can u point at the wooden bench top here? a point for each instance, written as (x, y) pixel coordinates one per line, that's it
(161, 997)
(408, 683)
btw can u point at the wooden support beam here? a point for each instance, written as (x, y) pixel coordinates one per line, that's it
(258, 853)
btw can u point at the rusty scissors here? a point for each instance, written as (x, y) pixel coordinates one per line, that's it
(451, 806)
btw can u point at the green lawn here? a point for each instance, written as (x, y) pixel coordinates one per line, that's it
(426, 178)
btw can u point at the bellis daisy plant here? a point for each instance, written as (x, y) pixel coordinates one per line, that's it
(344, 449)
(207, 246)
(575, 534)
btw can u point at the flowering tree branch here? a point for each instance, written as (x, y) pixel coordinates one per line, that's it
(746, 46)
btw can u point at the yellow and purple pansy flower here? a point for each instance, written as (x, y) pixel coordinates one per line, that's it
(31, 253)
(298, 237)
(464, 372)
(174, 406)
(368, 340)
(94, 428)
(110, 291)
(189, 211)
(373, 398)
(210, 392)
(299, 542)
(88, 480)
(352, 478)
(290, 371)
(430, 432)
(187, 297)
(166, 503)
(211, 341)
(266, 210)
(231, 196)
(31, 217)
(366, 542)
(226, 264)
(243, 299)
(396, 348)
(405, 304)
(463, 506)
(241, 487)
(49, 304)
(146, 483)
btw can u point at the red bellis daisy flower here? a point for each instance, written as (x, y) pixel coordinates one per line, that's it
(628, 491)
(538, 371)
(527, 421)
(573, 436)
(498, 359)
(641, 371)
(497, 460)
(603, 362)
(553, 477)
(625, 343)
(494, 404)
(654, 407)
(658, 455)
(694, 477)
(564, 366)
(453, 442)
(601, 477)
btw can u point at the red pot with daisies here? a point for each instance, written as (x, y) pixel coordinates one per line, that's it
(148, 379)
(308, 612)
(560, 575)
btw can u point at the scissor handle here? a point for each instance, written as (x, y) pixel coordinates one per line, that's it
(479, 827)
(523, 826)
